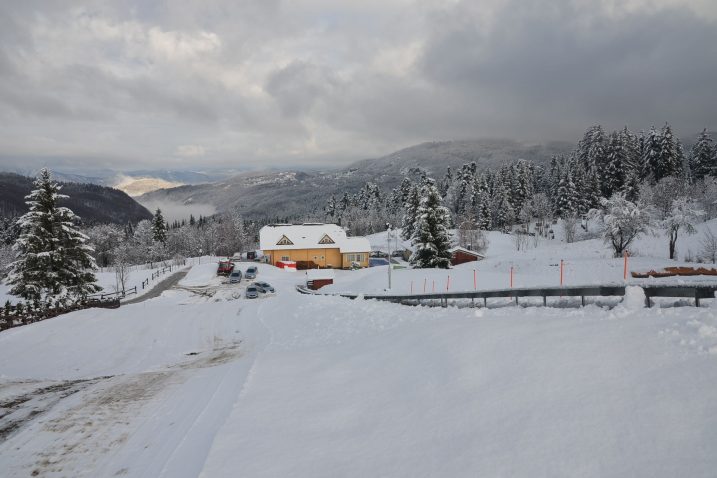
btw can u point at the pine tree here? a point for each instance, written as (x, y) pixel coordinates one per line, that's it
(567, 201)
(431, 236)
(410, 210)
(483, 218)
(592, 151)
(446, 183)
(671, 157)
(617, 164)
(651, 156)
(703, 158)
(159, 228)
(53, 259)
(331, 208)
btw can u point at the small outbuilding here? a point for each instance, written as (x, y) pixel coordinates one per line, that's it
(461, 255)
(317, 278)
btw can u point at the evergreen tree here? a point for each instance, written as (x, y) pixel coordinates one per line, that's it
(410, 211)
(703, 158)
(671, 157)
(192, 221)
(53, 258)
(431, 236)
(617, 164)
(651, 156)
(483, 217)
(592, 151)
(331, 208)
(159, 228)
(567, 202)
(446, 183)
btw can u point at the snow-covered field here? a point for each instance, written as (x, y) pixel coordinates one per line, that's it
(203, 382)
(585, 262)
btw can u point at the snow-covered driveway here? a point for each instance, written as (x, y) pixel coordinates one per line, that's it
(199, 383)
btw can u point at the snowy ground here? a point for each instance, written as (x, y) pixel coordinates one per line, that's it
(106, 278)
(203, 382)
(584, 263)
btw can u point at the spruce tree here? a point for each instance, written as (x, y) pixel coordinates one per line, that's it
(671, 157)
(483, 218)
(159, 228)
(651, 156)
(567, 201)
(410, 210)
(617, 161)
(431, 236)
(53, 258)
(703, 158)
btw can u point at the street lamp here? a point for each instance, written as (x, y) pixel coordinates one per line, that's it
(388, 234)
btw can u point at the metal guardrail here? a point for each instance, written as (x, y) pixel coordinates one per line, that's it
(695, 292)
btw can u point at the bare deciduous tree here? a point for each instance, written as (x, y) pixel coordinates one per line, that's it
(709, 246)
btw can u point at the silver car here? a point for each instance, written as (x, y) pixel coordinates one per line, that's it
(252, 292)
(264, 287)
(235, 277)
(251, 272)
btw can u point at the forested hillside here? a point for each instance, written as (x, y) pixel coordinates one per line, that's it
(92, 203)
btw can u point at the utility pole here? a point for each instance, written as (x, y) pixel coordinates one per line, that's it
(388, 235)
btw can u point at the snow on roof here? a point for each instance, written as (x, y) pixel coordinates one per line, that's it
(466, 251)
(356, 244)
(310, 236)
(317, 274)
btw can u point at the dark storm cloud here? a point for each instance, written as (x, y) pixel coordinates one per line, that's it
(562, 62)
(279, 83)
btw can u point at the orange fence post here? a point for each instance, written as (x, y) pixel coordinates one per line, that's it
(475, 282)
(624, 268)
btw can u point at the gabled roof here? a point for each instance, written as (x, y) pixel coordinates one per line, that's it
(465, 251)
(310, 236)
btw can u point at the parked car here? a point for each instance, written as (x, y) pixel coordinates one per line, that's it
(225, 267)
(235, 277)
(264, 287)
(252, 292)
(251, 272)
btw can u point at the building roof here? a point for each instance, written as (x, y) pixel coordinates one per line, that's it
(466, 251)
(310, 236)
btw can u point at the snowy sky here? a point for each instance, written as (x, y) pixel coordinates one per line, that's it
(257, 83)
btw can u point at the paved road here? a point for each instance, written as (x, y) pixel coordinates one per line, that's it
(166, 284)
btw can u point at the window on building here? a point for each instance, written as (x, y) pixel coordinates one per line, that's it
(354, 257)
(326, 240)
(284, 241)
(285, 258)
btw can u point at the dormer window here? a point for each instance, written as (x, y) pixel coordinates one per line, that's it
(326, 240)
(284, 241)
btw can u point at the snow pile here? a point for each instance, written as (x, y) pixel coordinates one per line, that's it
(634, 298)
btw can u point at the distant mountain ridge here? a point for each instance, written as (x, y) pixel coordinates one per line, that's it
(91, 202)
(304, 193)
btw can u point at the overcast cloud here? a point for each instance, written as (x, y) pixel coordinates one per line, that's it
(239, 83)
